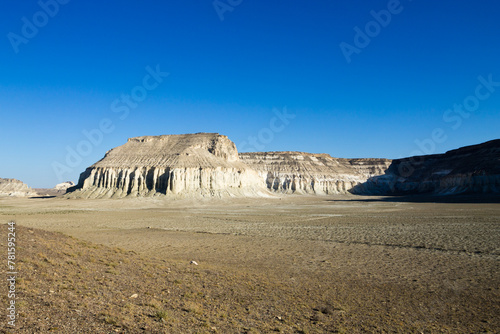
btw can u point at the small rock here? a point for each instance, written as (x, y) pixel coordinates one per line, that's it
(135, 295)
(194, 262)
(51, 291)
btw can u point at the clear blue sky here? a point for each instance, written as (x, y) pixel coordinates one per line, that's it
(231, 76)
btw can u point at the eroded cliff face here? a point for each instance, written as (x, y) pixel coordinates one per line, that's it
(205, 164)
(208, 164)
(470, 169)
(307, 173)
(15, 188)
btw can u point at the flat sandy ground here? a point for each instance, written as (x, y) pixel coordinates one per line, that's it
(300, 264)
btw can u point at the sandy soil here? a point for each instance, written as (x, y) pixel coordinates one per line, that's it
(305, 264)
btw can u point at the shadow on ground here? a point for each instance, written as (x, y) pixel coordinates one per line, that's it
(471, 198)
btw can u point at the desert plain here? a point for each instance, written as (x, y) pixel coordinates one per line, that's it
(293, 264)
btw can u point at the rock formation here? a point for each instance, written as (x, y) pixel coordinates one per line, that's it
(306, 173)
(64, 186)
(470, 169)
(208, 164)
(59, 190)
(15, 188)
(204, 164)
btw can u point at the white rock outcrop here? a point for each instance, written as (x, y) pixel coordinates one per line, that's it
(208, 164)
(307, 173)
(15, 188)
(64, 186)
(205, 164)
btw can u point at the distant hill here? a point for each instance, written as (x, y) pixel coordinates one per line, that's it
(15, 188)
(59, 190)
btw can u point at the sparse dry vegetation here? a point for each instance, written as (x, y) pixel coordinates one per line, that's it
(265, 278)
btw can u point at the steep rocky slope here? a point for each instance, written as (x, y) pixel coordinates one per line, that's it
(470, 169)
(204, 164)
(16, 188)
(298, 172)
(208, 164)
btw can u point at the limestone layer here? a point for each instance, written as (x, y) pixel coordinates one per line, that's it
(205, 164)
(15, 188)
(470, 169)
(208, 164)
(306, 173)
